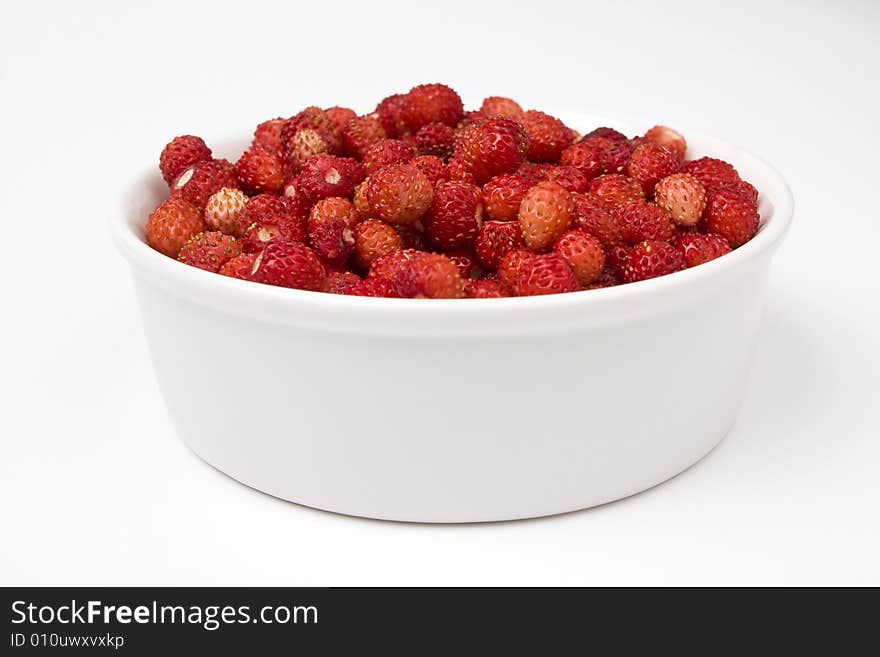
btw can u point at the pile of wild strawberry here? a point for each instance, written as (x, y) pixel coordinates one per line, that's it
(423, 199)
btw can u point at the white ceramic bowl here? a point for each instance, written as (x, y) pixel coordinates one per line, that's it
(458, 410)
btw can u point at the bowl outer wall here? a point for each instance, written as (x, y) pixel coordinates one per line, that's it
(456, 411)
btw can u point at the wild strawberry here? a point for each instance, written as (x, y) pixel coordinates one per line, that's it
(501, 106)
(673, 141)
(385, 152)
(682, 196)
(413, 236)
(433, 167)
(698, 248)
(327, 175)
(712, 173)
(484, 289)
(491, 147)
(604, 133)
(306, 144)
(360, 133)
(568, 177)
(259, 170)
(331, 224)
(223, 211)
(340, 116)
(373, 287)
(495, 239)
(649, 163)
(434, 139)
(268, 135)
(744, 189)
(399, 194)
(431, 103)
(339, 282)
(509, 265)
(372, 239)
(277, 229)
(583, 253)
(197, 183)
(390, 114)
(316, 118)
(545, 213)
(295, 199)
(651, 259)
(466, 263)
(455, 216)
(289, 264)
(389, 265)
(429, 276)
(614, 189)
(456, 169)
(548, 136)
(617, 156)
(587, 158)
(360, 201)
(209, 250)
(545, 274)
(171, 224)
(731, 215)
(264, 208)
(608, 278)
(616, 258)
(503, 194)
(593, 216)
(641, 220)
(241, 266)
(180, 154)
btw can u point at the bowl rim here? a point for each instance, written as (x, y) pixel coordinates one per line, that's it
(182, 278)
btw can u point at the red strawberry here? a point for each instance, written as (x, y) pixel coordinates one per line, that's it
(731, 215)
(435, 139)
(698, 248)
(509, 266)
(372, 239)
(545, 213)
(399, 194)
(491, 147)
(305, 144)
(431, 103)
(390, 113)
(171, 224)
(548, 136)
(649, 163)
(501, 106)
(295, 199)
(413, 237)
(385, 152)
(616, 257)
(587, 158)
(241, 266)
(583, 253)
(484, 289)
(388, 266)
(429, 276)
(495, 239)
(327, 175)
(373, 287)
(711, 173)
(269, 219)
(503, 194)
(651, 259)
(608, 278)
(197, 183)
(259, 170)
(641, 220)
(209, 250)
(593, 217)
(289, 264)
(180, 154)
(673, 141)
(603, 133)
(545, 274)
(223, 211)
(614, 189)
(433, 167)
(312, 117)
(331, 224)
(339, 282)
(745, 189)
(466, 263)
(268, 135)
(340, 115)
(265, 208)
(567, 177)
(360, 133)
(683, 196)
(455, 216)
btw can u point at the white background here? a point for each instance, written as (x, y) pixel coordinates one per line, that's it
(95, 488)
